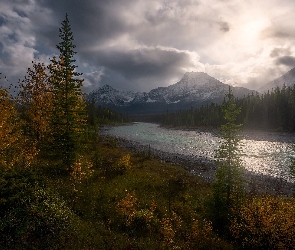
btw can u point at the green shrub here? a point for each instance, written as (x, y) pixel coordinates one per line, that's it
(32, 216)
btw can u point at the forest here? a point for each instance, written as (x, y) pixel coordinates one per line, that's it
(65, 186)
(271, 111)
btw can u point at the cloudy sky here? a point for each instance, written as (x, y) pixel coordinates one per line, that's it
(139, 44)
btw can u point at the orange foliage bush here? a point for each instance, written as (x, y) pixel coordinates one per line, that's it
(127, 206)
(15, 148)
(80, 171)
(266, 223)
(35, 96)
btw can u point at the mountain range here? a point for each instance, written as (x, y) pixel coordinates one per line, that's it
(193, 90)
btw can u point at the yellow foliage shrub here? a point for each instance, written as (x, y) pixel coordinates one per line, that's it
(167, 230)
(125, 162)
(36, 98)
(127, 206)
(266, 223)
(15, 148)
(80, 171)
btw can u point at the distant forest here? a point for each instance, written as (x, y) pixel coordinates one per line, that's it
(274, 110)
(98, 115)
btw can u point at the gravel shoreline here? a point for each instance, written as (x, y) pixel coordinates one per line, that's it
(204, 168)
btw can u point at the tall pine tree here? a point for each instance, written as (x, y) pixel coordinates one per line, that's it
(69, 109)
(228, 186)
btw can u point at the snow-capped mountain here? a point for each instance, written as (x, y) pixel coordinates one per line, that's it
(193, 90)
(288, 79)
(194, 87)
(109, 95)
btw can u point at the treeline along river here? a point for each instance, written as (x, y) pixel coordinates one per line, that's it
(262, 153)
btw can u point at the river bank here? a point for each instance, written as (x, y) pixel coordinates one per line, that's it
(205, 169)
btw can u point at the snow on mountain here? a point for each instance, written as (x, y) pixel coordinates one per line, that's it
(194, 86)
(194, 89)
(288, 79)
(109, 95)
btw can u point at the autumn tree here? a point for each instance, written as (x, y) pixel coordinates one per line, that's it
(35, 98)
(14, 146)
(68, 114)
(228, 186)
(9, 129)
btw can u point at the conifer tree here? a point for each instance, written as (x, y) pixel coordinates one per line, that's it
(228, 186)
(68, 115)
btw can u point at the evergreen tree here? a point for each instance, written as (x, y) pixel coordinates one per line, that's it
(229, 182)
(69, 109)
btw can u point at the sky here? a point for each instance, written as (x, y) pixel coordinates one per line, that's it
(140, 45)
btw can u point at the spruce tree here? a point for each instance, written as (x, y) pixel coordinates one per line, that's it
(228, 186)
(69, 109)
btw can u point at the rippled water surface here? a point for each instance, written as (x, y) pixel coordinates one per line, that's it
(265, 153)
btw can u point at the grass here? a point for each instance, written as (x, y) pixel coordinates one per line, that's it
(169, 188)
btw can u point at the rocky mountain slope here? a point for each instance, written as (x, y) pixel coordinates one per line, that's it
(193, 90)
(288, 79)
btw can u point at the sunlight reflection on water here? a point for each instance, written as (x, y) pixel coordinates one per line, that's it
(268, 153)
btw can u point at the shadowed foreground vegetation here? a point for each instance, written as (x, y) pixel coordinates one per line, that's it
(129, 201)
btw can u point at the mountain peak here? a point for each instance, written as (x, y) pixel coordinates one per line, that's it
(107, 87)
(197, 79)
(287, 79)
(194, 74)
(292, 71)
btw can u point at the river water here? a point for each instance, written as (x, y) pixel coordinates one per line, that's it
(261, 152)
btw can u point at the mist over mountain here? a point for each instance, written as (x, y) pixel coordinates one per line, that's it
(193, 90)
(288, 79)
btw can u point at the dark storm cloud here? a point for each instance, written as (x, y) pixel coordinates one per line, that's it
(92, 21)
(280, 29)
(143, 62)
(277, 33)
(2, 20)
(164, 23)
(139, 67)
(116, 80)
(224, 26)
(276, 52)
(96, 24)
(286, 60)
(98, 21)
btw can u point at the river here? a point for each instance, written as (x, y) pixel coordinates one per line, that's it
(261, 152)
